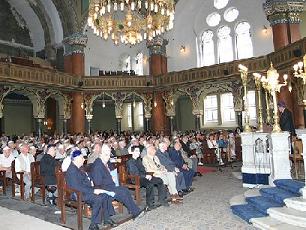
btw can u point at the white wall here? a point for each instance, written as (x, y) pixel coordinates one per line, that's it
(107, 56)
(190, 22)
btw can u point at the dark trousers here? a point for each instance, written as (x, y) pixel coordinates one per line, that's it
(188, 175)
(124, 196)
(101, 206)
(180, 181)
(149, 185)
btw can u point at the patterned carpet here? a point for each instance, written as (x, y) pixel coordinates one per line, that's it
(206, 208)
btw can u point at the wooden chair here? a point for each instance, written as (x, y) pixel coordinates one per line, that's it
(129, 181)
(37, 181)
(3, 180)
(297, 157)
(17, 181)
(209, 155)
(64, 199)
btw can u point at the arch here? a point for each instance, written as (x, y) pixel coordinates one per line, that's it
(225, 44)
(244, 44)
(207, 48)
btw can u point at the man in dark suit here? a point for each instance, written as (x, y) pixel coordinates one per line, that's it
(166, 161)
(47, 170)
(286, 119)
(100, 173)
(99, 200)
(135, 167)
(176, 156)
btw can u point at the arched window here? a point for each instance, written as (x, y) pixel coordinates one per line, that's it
(139, 64)
(244, 46)
(225, 44)
(207, 48)
(231, 14)
(213, 19)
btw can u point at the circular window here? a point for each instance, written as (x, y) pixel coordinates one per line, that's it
(231, 14)
(213, 19)
(220, 4)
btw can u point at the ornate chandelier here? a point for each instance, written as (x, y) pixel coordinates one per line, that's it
(130, 21)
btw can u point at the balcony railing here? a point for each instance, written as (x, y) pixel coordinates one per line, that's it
(35, 76)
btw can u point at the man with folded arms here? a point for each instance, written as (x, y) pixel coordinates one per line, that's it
(101, 175)
(135, 167)
(99, 199)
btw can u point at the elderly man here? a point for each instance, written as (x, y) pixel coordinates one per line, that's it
(176, 156)
(135, 167)
(47, 170)
(96, 151)
(153, 165)
(6, 160)
(99, 200)
(23, 164)
(166, 161)
(286, 119)
(102, 178)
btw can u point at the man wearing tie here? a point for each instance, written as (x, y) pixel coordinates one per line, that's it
(102, 178)
(100, 202)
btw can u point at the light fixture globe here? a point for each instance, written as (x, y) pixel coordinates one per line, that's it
(130, 21)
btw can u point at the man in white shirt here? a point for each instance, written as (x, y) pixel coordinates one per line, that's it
(12, 145)
(6, 160)
(23, 164)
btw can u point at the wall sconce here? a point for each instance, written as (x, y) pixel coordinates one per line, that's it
(155, 104)
(182, 49)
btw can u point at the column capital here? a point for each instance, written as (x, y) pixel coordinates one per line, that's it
(75, 43)
(157, 46)
(283, 11)
(170, 103)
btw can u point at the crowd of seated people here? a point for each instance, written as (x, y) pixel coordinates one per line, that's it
(166, 162)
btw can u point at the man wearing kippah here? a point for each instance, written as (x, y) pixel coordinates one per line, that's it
(286, 119)
(99, 199)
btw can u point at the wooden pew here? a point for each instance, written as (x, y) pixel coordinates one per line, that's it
(37, 181)
(3, 180)
(18, 181)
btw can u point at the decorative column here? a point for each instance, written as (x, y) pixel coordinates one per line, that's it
(170, 108)
(3, 92)
(284, 17)
(194, 93)
(258, 89)
(39, 108)
(66, 112)
(147, 101)
(238, 102)
(74, 64)
(88, 107)
(119, 97)
(158, 66)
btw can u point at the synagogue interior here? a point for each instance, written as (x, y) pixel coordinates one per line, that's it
(146, 114)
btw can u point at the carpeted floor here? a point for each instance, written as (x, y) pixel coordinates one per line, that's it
(13, 220)
(206, 208)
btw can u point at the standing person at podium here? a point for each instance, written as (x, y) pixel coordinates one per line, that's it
(286, 119)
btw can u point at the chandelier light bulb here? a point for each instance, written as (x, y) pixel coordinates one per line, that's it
(115, 6)
(162, 11)
(146, 4)
(296, 67)
(139, 4)
(122, 6)
(133, 6)
(152, 6)
(103, 10)
(300, 64)
(97, 8)
(103, 104)
(156, 8)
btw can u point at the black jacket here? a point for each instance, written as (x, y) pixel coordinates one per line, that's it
(286, 121)
(47, 169)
